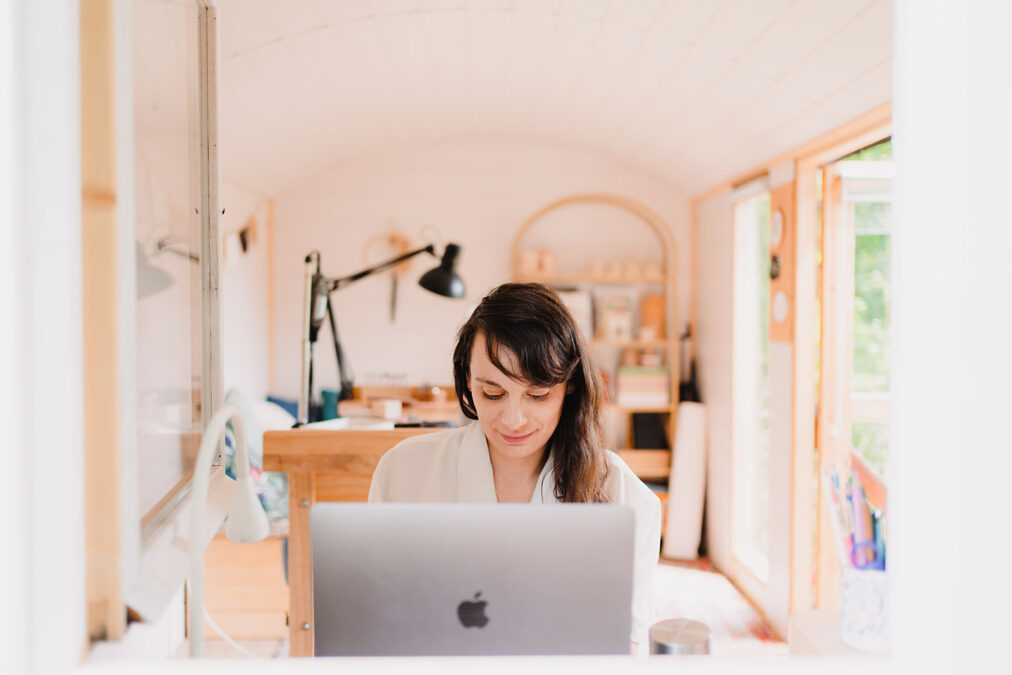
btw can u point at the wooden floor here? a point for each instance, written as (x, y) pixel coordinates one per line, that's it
(696, 590)
(246, 605)
(219, 649)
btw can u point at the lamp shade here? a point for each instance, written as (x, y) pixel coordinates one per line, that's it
(150, 279)
(247, 521)
(444, 279)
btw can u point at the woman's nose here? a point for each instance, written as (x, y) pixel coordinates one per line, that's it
(513, 416)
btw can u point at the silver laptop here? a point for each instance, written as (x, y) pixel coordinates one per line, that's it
(437, 579)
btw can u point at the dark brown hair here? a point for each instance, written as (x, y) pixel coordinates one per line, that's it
(531, 323)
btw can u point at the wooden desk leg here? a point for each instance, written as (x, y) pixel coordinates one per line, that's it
(301, 496)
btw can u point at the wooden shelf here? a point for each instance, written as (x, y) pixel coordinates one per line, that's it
(640, 408)
(648, 464)
(594, 259)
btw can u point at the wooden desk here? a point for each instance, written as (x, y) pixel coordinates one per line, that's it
(322, 466)
(428, 411)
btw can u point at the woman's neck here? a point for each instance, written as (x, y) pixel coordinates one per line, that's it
(515, 477)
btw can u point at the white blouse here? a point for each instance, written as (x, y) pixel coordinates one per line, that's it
(454, 466)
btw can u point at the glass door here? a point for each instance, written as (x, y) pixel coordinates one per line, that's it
(750, 535)
(854, 390)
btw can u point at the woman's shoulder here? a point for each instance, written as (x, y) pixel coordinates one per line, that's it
(625, 486)
(422, 447)
(420, 468)
(617, 465)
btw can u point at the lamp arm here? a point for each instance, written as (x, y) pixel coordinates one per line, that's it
(340, 282)
(201, 472)
(165, 245)
(347, 384)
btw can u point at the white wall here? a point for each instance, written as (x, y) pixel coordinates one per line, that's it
(775, 597)
(13, 650)
(12, 653)
(244, 293)
(950, 453)
(714, 319)
(477, 194)
(164, 364)
(166, 358)
(42, 421)
(715, 287)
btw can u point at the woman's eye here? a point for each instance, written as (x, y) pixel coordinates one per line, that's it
(540, 397)
(491, 397)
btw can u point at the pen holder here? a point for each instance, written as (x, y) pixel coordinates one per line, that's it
(863, 605)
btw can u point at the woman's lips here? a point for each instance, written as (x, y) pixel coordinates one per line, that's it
(515, 439)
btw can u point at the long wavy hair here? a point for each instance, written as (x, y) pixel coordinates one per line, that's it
(530, 322)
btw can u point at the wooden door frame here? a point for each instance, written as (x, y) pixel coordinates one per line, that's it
(835, 285)
(873, 126)
(811, 584)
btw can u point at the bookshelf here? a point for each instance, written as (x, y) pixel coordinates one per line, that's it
(651, 464)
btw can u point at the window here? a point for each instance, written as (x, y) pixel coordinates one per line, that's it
(166, 82)
(867, 206)
(178, 364)
(751, 470)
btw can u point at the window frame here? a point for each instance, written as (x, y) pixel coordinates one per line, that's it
(162, 562)
(145, 561)
(750, 561)
(836, 401)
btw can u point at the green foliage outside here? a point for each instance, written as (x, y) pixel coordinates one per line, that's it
(874, 153)
(871, 440)
(872, 290)
(872, 309)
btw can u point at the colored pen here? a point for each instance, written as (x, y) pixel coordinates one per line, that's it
(863, 534)
(879, 519)
(843, 512)
(840, 534)
(850, 519)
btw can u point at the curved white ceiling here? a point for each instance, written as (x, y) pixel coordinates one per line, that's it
(693, 91)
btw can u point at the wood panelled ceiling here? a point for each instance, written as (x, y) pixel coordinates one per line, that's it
(691, 91)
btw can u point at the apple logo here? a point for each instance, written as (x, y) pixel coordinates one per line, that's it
(472, 614)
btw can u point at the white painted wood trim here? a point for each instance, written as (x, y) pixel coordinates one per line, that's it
(884, 170)
(126, 295)
(13, 488)
(40, 146)
(212, 396)
(750, 189)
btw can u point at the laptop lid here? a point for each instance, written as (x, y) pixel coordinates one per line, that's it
(493, 579)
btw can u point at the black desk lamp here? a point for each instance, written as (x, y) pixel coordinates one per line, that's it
(442, 280)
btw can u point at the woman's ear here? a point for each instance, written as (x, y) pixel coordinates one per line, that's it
(570, 387)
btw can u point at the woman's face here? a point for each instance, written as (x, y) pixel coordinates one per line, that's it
(517, 417)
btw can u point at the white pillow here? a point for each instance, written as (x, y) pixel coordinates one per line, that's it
(270, 416)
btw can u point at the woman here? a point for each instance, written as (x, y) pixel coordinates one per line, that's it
(523, 371)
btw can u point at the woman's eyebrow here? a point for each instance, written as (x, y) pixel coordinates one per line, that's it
(493, 383)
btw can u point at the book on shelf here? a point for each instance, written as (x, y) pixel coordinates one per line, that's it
(581, 306)
(642, 386)
(649, 431)
(615, 317)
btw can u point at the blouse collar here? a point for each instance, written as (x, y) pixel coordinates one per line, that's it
(474, 472)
